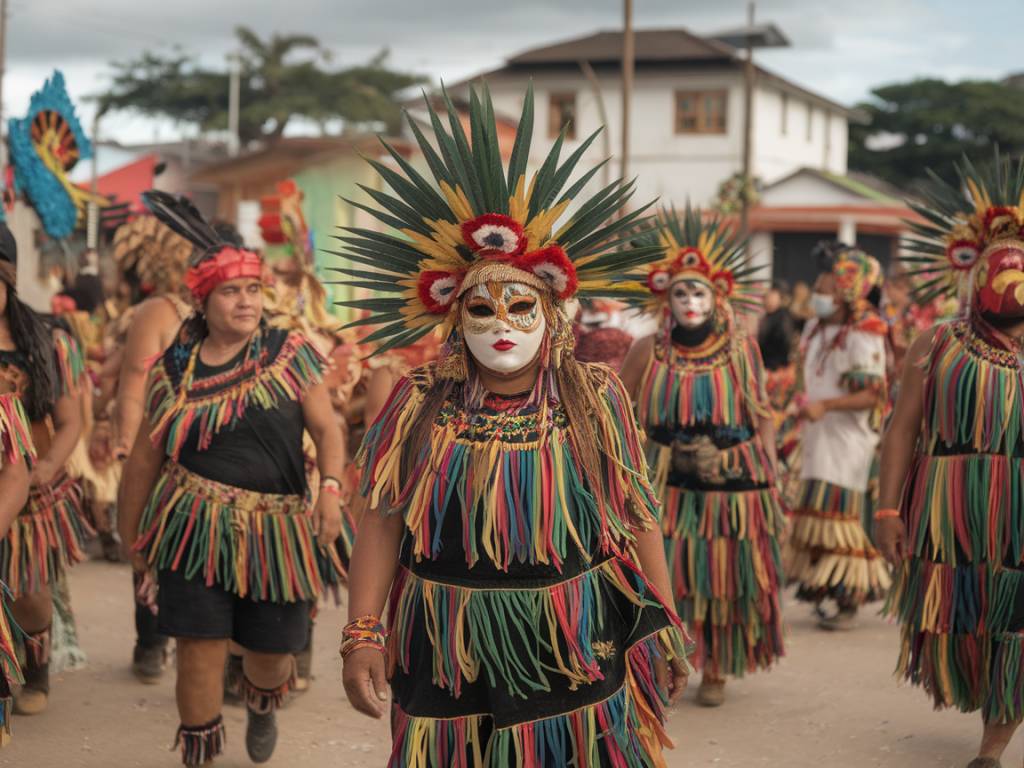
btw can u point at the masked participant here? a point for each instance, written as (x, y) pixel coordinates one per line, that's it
(699, 388)
(215, 493)
(950, 498)
(510, 519)
(829, 553)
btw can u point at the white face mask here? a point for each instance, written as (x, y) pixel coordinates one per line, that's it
(503, 324)
(823, 305)
(692, 303)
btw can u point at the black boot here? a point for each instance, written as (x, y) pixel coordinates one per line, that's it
(260, 735)
(233, 679)
(32, 698)
(261, 705)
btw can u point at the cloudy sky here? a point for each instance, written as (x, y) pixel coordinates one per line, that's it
(840, 48)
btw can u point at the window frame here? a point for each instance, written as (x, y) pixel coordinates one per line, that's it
(701, 116)
(555, 124)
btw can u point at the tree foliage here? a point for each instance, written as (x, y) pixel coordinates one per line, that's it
(283, 77)
(931, 124)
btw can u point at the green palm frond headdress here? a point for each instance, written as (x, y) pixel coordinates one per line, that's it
(704, 247)
(473, 220)
(960, 224)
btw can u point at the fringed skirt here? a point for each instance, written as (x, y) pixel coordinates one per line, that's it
(724, 562)
(960, 595)
(10, 673)
(252, 544)
(503, 672)
(829, 553)
(47, 536)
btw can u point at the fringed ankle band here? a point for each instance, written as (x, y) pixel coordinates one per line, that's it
(262, 701)
(200, 743)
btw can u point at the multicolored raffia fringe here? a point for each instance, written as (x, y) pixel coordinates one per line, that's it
(622, 731)
(70, 363)
(474, 630)
(263, 701)
(10, 672)
(957, 595)
(725, 386)
(515, 475)
(829, 553)
(218, 402)
(49, 534)
(252, 544)
(15, 432)
(201, 743)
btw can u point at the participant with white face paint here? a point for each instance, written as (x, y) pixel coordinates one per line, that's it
(699, 387)
(506, 474)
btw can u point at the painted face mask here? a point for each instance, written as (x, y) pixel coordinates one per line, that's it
(503, 324)
(1000, 280)
(692, 302)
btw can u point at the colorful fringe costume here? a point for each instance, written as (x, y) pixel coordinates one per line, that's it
(522, 632)
(50, 532)
(250, 541)
(720, 526)
(829, 553)
(958, 595)
(700, 399)
(15, 446)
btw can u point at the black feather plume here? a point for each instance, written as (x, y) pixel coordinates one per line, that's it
(183, 217)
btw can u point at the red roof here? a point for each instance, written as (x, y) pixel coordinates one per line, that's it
(127, 183)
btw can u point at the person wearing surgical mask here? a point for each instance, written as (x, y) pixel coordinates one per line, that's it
(829, 554)
(698, 387)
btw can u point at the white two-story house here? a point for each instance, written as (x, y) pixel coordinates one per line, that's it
(686, 135)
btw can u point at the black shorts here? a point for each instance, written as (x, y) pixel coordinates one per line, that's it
(189, 608)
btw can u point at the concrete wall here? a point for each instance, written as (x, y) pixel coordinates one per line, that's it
(673, 166)
(805, 189)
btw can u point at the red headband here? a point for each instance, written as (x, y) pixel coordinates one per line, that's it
(228, 264)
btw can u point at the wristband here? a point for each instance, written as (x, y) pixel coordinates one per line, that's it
(886, 514)
(364, 632)
(331, 489)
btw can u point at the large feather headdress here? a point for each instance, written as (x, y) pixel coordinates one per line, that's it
(473, 220)
(703, 247)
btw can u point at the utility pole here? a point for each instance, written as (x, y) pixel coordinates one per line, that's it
(748, 122)
(234, 97)
(628, 65)
(93, 212)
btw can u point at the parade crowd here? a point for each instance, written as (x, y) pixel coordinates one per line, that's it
(571, 451)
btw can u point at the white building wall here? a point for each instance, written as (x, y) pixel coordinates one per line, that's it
(798, 190)
(674, 167)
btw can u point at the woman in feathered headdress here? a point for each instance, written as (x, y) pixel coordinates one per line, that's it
(511, 521)
(214, 494)
(699, 388)
(951, 509)
(829, 552)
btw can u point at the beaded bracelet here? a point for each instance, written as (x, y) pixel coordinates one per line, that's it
(886, 514)
(365, 632)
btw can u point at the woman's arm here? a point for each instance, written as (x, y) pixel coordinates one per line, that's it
(371, 571)
(898, 448)
(144, 342)
(862, 400)
(650, 554)
(322, 425)
(67, 429)
(137, 480)
(14, 484)
(635, 364)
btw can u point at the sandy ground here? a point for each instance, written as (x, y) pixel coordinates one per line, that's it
(831, 703)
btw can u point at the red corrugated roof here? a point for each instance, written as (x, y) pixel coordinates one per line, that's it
(127, 183)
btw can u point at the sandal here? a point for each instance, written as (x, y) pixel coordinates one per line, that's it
(984, 762)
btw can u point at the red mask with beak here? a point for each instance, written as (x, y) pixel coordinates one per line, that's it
(1000, 280)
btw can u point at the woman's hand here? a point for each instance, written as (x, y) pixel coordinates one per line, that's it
(366, 682)
(814, 411)
(672, 677)
(145, 583)
(891, 539)
(43, 472)
(327, 518)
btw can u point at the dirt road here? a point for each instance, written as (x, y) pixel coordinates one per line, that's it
(831, 704)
